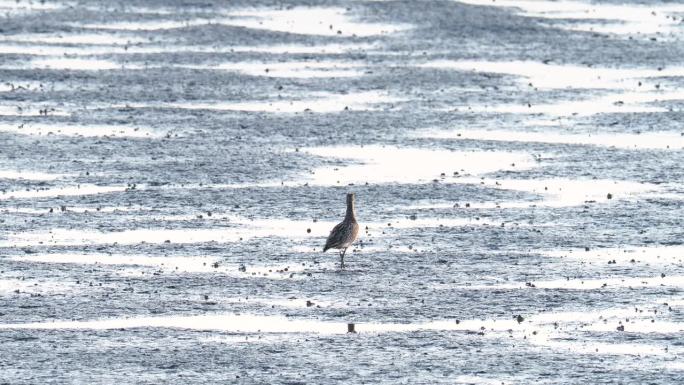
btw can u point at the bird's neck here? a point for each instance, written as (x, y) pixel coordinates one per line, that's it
(350, 212)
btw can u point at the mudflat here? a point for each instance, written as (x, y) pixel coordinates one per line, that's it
(170, 170)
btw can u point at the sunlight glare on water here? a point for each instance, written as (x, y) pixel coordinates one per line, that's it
(181, 264)
(79, 190)
(557, 192)
(223, 322)
(590, 16)
(107, 47)
(30, 175)
(604, 320)
(557, 76)
(627, 90)
(387, 164)
(296, 69)
(607, 283)
(244, 323)
(609, 104)
(68, 237)
(563, 192)
(321, 102)
(87, 39)
(241, 229)
(98, 130)
(652, 255)
(310, 21)
(645, 140)
(75, 64)
(17, 7)
(302, 21)
(304, 48)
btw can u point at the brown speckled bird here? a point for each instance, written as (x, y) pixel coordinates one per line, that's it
(344, 234)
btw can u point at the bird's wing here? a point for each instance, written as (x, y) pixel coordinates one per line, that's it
(336, 236)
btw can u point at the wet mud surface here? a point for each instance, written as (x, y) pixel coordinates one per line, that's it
(169, 172)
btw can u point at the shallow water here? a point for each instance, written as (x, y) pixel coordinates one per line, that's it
(627, 19)
(301, 21)
(647, 140)
(169, 174)
(546, 75)
(389, 164)
(79, 130)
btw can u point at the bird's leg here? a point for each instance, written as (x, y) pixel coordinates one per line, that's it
(342, 252)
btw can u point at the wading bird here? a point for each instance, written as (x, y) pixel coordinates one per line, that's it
(344, 234)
